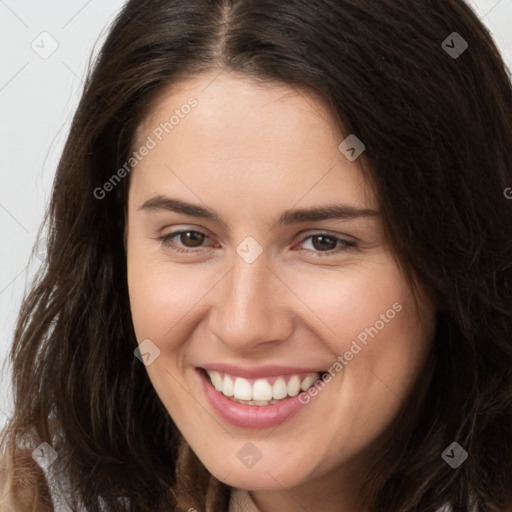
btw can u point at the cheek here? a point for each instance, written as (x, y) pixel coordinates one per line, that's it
(161, 296)
(369, 314)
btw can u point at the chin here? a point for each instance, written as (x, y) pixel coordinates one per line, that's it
(270, 475)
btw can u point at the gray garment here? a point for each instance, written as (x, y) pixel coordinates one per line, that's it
(59, 492)
(240, 501)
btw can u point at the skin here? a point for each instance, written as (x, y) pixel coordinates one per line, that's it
(248, 152)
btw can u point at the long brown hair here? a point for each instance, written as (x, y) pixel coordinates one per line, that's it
(437, 127)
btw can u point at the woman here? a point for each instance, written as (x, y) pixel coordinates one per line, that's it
(279, 268)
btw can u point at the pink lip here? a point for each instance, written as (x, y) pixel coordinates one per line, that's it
(260, 371)
(249, 416)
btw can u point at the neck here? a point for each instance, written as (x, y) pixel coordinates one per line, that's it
(330, 493)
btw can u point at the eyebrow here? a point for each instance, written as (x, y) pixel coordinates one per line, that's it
(294, 216)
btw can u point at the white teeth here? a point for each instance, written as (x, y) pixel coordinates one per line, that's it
(307, 382)
(227, 388)
(279, 389)
(242, 389)
(261, 392)
(217, 381)
(254, 402)
(294, 386)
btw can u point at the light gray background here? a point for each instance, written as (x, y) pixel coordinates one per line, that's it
(38, 94)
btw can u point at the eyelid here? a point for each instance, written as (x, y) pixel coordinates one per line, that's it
(343, 242)
(167, 241)
(339, 236)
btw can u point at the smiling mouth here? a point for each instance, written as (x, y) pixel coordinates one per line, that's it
(261, 391)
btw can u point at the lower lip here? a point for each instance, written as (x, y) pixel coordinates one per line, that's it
(249, 416)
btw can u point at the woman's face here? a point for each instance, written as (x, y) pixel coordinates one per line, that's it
(281, 272)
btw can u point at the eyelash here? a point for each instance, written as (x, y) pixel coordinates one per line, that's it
(166, 241)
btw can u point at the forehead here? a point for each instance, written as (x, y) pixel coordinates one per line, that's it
(233, 101)
(225, 128)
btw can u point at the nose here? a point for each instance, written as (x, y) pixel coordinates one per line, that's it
(251, 306)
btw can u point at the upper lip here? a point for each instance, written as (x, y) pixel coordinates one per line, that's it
(258, 371)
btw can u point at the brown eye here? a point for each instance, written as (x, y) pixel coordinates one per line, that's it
(192, 238)
(184, 241)
(323, 242)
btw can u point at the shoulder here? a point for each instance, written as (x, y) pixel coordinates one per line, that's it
(241, 500)
(23, 485)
